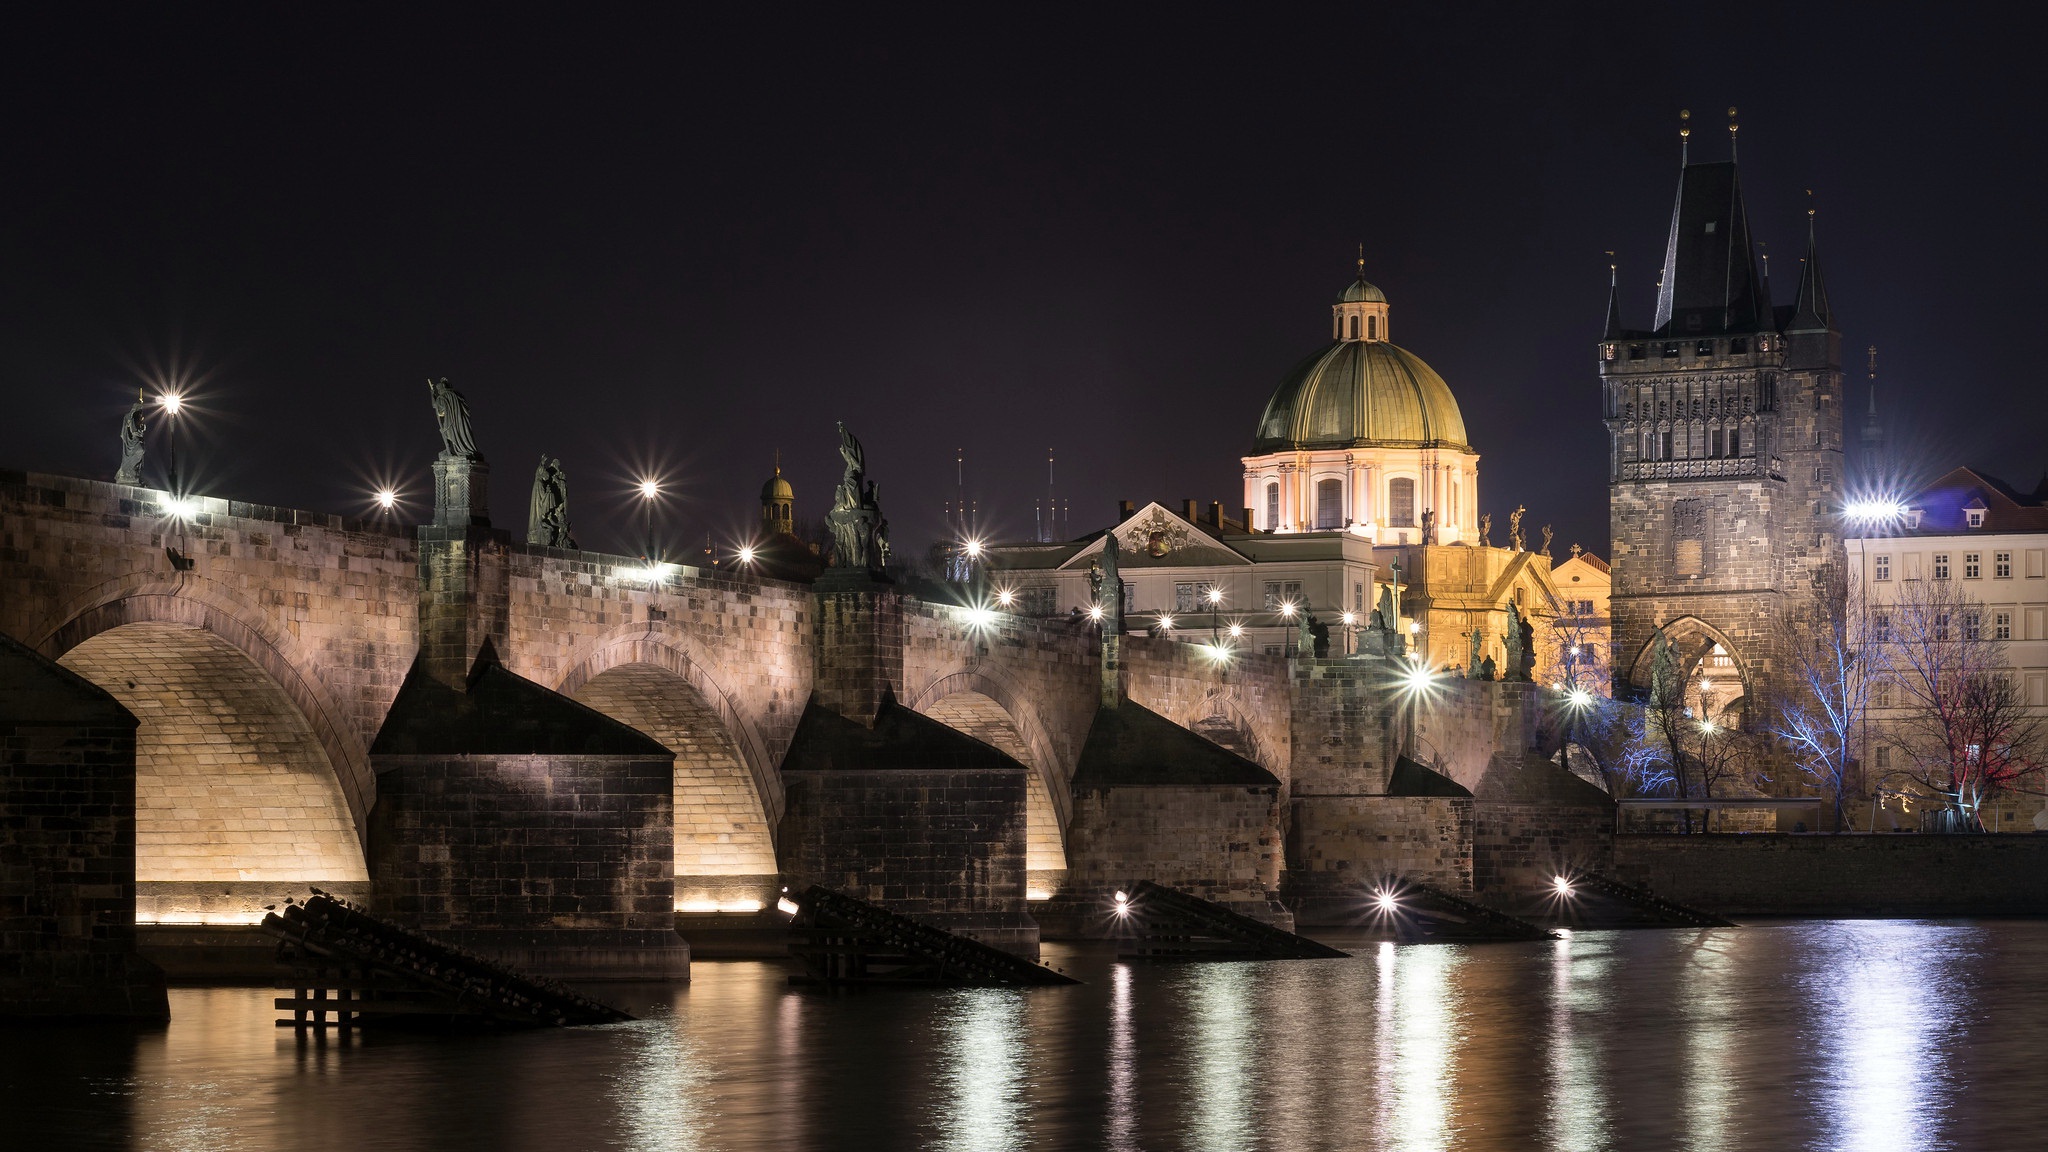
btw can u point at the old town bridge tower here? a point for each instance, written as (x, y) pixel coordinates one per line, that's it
(1724, 423)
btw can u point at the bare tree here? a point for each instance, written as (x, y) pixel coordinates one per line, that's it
(1961, 728)
(1578, 659)
(1832, 667)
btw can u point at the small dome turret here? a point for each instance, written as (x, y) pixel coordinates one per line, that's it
(778, 505)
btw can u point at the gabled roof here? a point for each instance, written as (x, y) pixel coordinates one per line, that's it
(1189, 543)
(1941, 505)
(36, 691)
(899, 740)
(1131, 746)
(500, 713)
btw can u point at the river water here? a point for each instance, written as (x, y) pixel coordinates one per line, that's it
(1836, 1035)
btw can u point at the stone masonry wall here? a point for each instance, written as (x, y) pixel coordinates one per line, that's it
(524, 843)
(1876, 874)
(915, 840)
(1218, 842)
(1518, 848)
(1339, 847)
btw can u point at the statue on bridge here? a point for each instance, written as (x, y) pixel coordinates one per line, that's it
(547, 522)
(1486, 530)
(452, 411)
(860, 534)
(132, 432)
(1515, 538)
(1518, 658)
(1428, 526)
(1109, 588)
(1472, 661)
(1391, 640)
(1548, 536)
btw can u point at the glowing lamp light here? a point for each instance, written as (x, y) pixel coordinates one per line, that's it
(980, 617)
(973, 548)
(1562, 885)
(649, 489)
(1385, 902)
(1709, 727)
(1287, 609)
(653, 573)
(180, 507)
(1349, 619)
(785, 905)
(1417, 678)
(1166, 623)
(1236, 631)
(1874, 509)
(1706, 685)
(1579, 698)
(171, 402)
(386, 499)
(1095, 612)
(1215, 596)
(746, 554)
(1220, 653)
(1123, 903)
(1005, 597)
(1414, 627)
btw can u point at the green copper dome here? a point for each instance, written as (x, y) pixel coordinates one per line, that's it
(777, 488)
(1360, 393)
(1360, 292)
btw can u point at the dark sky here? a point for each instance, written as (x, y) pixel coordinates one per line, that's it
(1104, 230)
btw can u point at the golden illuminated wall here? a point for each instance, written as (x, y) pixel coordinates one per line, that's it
(985, 720)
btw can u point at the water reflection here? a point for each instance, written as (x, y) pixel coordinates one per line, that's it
(1713, 1072)
(1888, 996)
(1122, 1128)
(659, 1088)
(1421, 1034)
(1575, 1116)
(984, 1046)
(1221, 1056)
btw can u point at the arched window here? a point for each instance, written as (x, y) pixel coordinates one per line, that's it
(1354, 327)
(1401, 502)
(1372, 327)
(1272, 506)
(1734, 442)
(1329, 504)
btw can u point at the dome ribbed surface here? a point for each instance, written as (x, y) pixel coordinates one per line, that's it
(1360, 292)
(1360, 393)
(777, 489)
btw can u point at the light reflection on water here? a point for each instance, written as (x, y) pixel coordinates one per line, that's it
(1851, 1035)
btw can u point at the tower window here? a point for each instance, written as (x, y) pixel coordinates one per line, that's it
(1734, 442)
(1671, 350)
(1329, 504)
(1372, 327)
(1354, 327)
(1739, 345)
(1703, 348)
(1272, 506)
(1716, 442)
(1401, 502)
(1665, 445)
(1635, 351)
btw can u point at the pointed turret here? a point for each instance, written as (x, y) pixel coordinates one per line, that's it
(1614, 329)
(1873, 431)
(1811, 313)
(1710, 283)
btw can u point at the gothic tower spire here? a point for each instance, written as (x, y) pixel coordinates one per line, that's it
(1614, 328)
(1811, 313)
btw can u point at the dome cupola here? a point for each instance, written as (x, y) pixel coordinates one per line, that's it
(778, 505)
(1360, 312)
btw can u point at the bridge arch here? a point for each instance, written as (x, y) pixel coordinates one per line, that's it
(194, 602)
(238, 803)
(984, 703)
(728, 795)
(1221, 718)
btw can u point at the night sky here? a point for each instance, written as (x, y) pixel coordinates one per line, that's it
(681, 246)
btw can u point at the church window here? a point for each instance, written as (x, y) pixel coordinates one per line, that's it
(1770, 386)
(1648, 450)
(1401, 502)
(1941, 565)
(1329, 504)
(1973, 565)
(1272, 506)
(1665, 446)
(1688, 537)
(2001, 625)
(2001, 565)
(1884, 752)
(1671, 350)
(1703, 348)
(1354, 327)
(1716, 449)
(1880, 567)
(1663, 407)
(1358, 597)
(1739, 345)
(1372, 327)
(1635, 351)
(1734, 442)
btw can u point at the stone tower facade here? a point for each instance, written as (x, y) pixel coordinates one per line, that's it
(1725, 466)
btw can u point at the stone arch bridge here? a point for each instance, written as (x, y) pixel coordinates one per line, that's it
(262, 669)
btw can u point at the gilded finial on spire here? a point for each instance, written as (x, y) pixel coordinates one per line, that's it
(1361, 260)
(1611, 268)
(778, 461)
(1732, 128)
(1873, 361)
(1684, 134)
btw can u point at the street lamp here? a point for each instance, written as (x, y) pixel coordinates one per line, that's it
(649, 489)
(172, 403)
(1215, 599)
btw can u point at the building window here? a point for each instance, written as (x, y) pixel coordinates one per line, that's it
(1884, 757)
(1272, 506)
(1635, 351)
(1664, 446)
(1881, 628)
(1671, 350)
(1941, 626)
(1329, 504)
(2001, 625)
(1880, 567)
(1191, 595)
(1973, 626)
(1280, 592)
(1974, 517)
(1354, 327)
(1401, 502)
(1372, 327)
(1688, 537)
(1941, 565)
(1715, 448)
(1739, 345)
(1734, 442)
(1358, 597)
(1973, 565)
(2001, 565)
(1703, 348)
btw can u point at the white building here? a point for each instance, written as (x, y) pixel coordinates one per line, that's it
(1978, 531)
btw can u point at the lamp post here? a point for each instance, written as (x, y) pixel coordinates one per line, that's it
(649, 489)
(1215, 599)
(171, 403)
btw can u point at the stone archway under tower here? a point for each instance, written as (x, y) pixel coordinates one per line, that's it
(980, 716)
(238, 803)
(1715, 675)
(725, 850)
